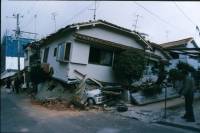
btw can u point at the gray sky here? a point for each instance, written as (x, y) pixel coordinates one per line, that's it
(167, 23)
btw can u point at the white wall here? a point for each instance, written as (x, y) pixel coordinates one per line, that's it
(61, 69)
(12, 63)
(99, 72)
(80, 52)
(108, 35)
(79, 61)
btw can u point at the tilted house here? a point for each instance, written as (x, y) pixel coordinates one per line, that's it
(88, 47)
(184, 50)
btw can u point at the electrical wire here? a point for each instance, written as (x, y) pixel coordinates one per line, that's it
(184, 14)
(158, 17)
(78, 13)
(31, 18)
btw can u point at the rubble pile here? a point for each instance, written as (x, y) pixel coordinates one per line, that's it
(53, 90)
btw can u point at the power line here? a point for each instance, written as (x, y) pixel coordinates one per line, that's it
(158, 17)
(79, 13)
(31, 18)
(188, 18)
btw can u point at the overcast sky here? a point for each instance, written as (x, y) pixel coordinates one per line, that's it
(163, 21)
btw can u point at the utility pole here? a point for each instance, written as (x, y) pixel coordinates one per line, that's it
(94, 9)
(17, 35)
(54, 18)
(136, 21)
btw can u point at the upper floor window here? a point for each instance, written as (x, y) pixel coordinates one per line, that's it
(64, 51)
(46, 53)
(100, 56)
(55, 52)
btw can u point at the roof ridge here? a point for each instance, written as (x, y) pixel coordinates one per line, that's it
(176, 41)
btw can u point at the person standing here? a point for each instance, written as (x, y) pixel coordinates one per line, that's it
(187, 91)
(8, 83)
(17, 84)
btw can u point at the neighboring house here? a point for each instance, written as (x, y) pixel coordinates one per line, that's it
(154, 57)
(31, 58)
(9, 53)
(184, 50)
(31, 55)
(88, 47)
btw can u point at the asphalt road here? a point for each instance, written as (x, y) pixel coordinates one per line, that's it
(19, 115)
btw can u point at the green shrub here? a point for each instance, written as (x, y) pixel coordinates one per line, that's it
(185, 67)
(175, 74)
(129, 66)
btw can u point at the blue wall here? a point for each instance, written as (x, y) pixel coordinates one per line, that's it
(11, 46)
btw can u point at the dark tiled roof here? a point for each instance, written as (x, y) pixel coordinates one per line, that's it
(157, 46)
(74, 26)
(176, 43)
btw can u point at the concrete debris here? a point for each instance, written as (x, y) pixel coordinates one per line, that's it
(53, 90)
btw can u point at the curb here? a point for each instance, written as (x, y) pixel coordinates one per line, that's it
(158, 100)
(182, 104)
(178, 126)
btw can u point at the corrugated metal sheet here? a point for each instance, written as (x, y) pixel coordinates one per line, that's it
(11, 46)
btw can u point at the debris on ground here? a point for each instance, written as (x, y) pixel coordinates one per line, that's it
(55, 104)
(122, 108)
(53, 90)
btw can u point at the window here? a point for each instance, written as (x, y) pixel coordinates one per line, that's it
(46, 52)
(55, 52)
(100, 56)
(64, 51)
(67, 51)
(174, 55)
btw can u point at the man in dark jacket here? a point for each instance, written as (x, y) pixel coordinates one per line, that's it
(17, 84)
(8, 83)
(187, 91)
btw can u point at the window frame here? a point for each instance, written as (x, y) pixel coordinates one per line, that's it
(45, 58)
(55, 52)
(105, 50)
(58, 52)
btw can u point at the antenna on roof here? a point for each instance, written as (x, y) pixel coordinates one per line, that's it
(35, 17)
(167, 35)
(136, 21)
(54, 14)
(94, 9)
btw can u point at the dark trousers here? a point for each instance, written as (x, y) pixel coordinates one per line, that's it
(189, 114)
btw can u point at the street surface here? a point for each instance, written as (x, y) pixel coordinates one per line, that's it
(19, 115)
